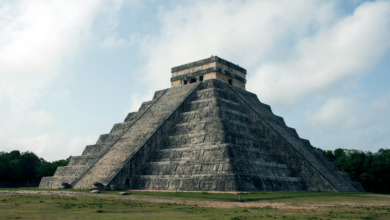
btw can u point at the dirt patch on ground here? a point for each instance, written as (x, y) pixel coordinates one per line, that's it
(199, 203)
(379, 195)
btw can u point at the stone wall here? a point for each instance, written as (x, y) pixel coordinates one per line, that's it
(207, 75)
(210, 68)
(206, 61)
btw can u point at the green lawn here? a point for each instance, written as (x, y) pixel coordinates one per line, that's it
(248, 197)
(330, 206)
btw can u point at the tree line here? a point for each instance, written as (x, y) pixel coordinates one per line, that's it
(19, 167)
(370, 169)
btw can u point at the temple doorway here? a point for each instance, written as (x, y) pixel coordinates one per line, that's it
(127, 183)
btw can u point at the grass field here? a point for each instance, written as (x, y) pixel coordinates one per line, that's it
(31, 203)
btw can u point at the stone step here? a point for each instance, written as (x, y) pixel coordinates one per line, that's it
(261, 148)
(93, 150)
(218, 176)
(54, 182)
(210, 93)
(206, 159)
(200, 162)
(262, 144)
(209, 124)
(226, 152)
(81, 160)
(208, 169)
(107, 139)
(158, 93)
(68, 171)
(217, 137)
(102, 138)
(208, 84)
(213, 113)
(145, 105)
(264, 149)
(125, 147)
(212, 102)
(131, 116)
(215, 99)
(214, 124)
(120, 127)
(220, 182)
(239, 129)
(214, 156)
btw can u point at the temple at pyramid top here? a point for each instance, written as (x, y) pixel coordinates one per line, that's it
(210, 68)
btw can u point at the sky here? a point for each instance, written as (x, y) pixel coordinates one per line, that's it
(71, 69)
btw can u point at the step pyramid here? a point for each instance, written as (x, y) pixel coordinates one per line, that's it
(206, 132)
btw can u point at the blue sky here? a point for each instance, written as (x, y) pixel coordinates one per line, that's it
(70, 70)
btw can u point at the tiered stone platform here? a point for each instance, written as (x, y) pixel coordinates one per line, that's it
(208, 134)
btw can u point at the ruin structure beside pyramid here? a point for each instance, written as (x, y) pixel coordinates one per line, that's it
(205, 132)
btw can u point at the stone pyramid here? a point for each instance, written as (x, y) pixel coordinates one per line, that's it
(205, 132)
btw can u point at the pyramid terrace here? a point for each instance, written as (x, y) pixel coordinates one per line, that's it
(205, 132)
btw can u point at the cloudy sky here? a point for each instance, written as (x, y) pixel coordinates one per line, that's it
(70, 69)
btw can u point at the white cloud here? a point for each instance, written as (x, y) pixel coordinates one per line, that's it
(76, 145)
(290, 48)
(137, 100)
(346, 113)
(61, 93)
(246, 33)
(349, 122)
(349, 48)
(335, 112)
(35, 39)
(50, 146)
(112, 41)
(293, 51)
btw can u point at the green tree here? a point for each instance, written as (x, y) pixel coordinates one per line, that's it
(48, 169)
(370, 169)
(26, 166)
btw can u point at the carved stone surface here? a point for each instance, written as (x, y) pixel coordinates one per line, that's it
(206, 135)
